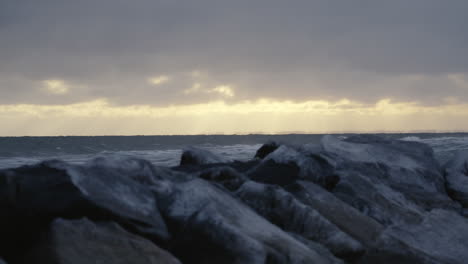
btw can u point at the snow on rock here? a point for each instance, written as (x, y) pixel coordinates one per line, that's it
(389, 180)
(456, 172)
(197, 156)
(212, 226)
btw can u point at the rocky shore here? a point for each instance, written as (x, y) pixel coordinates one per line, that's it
(363, 199)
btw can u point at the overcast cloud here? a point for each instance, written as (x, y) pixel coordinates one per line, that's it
(164, 52)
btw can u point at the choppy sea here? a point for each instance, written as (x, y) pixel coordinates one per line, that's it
(166, 150)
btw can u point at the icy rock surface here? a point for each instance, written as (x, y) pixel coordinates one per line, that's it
(206, 217)
(358, 200)
(389, 180)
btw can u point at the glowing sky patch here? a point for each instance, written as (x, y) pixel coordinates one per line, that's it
(159, 80)
(55, 86)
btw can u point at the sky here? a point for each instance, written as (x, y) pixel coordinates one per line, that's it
(141, 67)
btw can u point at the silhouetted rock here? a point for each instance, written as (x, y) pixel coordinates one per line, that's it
(83, 242)
(266, 149)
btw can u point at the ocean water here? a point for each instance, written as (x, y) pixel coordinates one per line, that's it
(166, 150)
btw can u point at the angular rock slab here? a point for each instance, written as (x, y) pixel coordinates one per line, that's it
(83, 242)
(284, 210)
(31, 196)
(211, 226)
(381, 246)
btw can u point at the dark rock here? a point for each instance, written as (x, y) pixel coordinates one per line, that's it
(196, 156)
(284, 210)
(211, 226)
(2, 261)
(83, 242)
(271, 172)
(225, 176)
(31, 196)
(287, 164)
(456, 172)
(266, 149)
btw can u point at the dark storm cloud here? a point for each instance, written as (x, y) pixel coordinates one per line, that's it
(324, 49)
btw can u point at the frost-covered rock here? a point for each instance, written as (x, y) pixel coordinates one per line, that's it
(197, 156)
(211, 226)
(380, 246)
(284, 210)
(83, 242)
(456, 172)
(31, 196)
(389, 180)
(441, 235)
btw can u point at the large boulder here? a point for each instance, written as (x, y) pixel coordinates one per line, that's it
(456, 173)
(32, 196)
(284, 210)
(83, 242)
(211, 226)
(390, 180)
(197, 156)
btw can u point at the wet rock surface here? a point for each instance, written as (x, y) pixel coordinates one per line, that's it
(363, 199)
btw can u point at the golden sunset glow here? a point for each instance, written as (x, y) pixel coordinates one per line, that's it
(266, 116)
